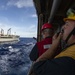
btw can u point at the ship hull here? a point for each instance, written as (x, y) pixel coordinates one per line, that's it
(9, 39)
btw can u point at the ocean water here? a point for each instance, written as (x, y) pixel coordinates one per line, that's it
(14, 58)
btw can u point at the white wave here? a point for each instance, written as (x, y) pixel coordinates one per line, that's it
(11, 49)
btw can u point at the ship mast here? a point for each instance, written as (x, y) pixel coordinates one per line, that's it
(2, 32)
(9, 32)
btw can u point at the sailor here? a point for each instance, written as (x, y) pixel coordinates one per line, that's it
(42, 46)
(64, 62)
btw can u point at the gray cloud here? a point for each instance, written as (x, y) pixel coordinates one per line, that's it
(20, 3)
(34, 15)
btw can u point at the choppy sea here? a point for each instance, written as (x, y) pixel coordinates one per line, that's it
(14, 58)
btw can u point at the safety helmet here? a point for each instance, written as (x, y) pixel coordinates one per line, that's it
(70, 18)
(70, 14)
(46, 25)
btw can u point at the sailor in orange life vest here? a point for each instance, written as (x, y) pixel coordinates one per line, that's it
(64, 62)
(42, 46)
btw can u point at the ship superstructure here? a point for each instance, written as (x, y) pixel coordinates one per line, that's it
(8, 38)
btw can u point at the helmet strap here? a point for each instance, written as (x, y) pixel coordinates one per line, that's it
(71, 33)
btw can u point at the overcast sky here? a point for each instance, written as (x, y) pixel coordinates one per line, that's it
(20, 16)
